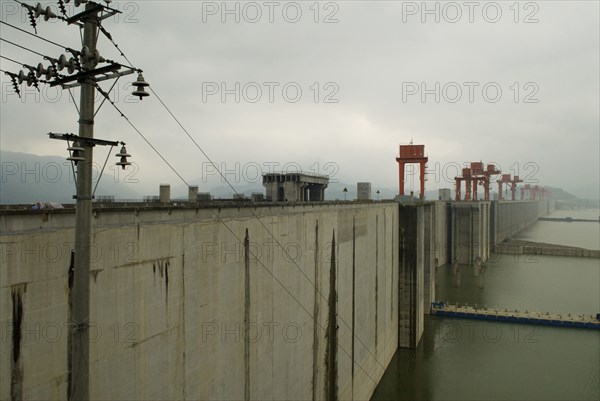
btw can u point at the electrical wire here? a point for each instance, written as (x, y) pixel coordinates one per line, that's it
(106, 97)
(14, 61)
(109, 37)
(220, 173)
(29, 6)
(37, 36)
(323, 297)
(255, 257)
(140, 133)
(25, 48)
(252, 211)
(73, 99)
(102, 171)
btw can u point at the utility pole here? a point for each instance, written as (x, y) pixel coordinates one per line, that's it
(83, 230)
(87, 74)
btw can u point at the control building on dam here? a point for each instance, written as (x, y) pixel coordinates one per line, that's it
(256, 300)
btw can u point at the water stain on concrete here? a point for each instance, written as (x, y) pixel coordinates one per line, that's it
(16, 365)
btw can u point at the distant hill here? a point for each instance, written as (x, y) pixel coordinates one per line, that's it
(27, 178)
(561, 194)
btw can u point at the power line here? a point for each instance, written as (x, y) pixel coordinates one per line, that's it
(21, 3)
(31, 9)
(140, 133)
(260, 221)
(25, 48)
(252, 211)
(231, 186)
(37, 36)
(14, 61)
(109, 37)
(242, 242)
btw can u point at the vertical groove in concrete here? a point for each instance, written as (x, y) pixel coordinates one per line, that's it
(167, 265)
(70, 275)
(376, 276)
(16, 365)
(316, 316)
(331, 391)
(246, 317)
(353, 296)
(410, 287)
(182, 314)
(469, 244)
(412, 284)
(400, 256)
(394, 229)
(449, 233)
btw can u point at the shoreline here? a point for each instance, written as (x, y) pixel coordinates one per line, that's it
(521, 247)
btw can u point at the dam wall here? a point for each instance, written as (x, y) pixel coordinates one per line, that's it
(511, 217)
(411, 284)
(437, 217)
(441, 221)
(470, 232)
(225, 301)
(254, 302)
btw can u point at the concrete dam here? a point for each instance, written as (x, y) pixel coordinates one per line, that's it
(234, 301)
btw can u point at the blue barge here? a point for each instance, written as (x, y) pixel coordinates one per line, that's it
(513, 316)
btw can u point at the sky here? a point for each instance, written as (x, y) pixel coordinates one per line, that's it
(331, 88)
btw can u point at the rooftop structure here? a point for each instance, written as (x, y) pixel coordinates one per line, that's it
(295, 187)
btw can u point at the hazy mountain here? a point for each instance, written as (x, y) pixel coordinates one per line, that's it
(27, 178)
(561, 194)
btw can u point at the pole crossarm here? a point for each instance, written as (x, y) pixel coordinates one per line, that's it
(93, 11)
(84, 75)
(88, 141)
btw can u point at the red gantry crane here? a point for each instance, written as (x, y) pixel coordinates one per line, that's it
(506, 179)
(513, 186)
(472, 176)
(477, 173)
(410, 154)
(466, 177)
(487, 175)
(533, 192)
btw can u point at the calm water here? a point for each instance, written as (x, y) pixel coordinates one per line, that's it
(581, 234)
(468, 360)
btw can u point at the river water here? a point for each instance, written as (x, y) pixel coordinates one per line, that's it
(461, 359)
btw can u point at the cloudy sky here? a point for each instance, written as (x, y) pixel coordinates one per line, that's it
(334, 88)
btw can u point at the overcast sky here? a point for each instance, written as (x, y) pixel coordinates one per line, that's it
(335, 87)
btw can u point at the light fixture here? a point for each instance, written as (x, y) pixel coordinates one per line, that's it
(140, 84)
(123, 155)
(75, 151)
